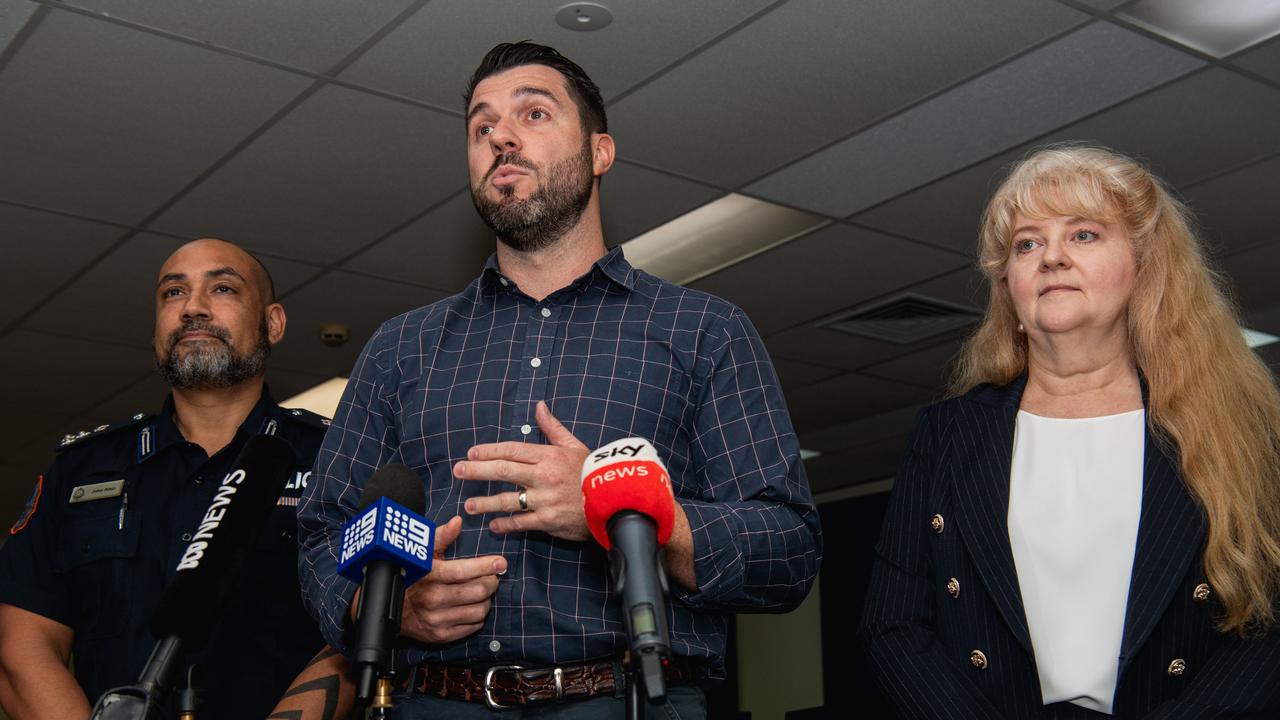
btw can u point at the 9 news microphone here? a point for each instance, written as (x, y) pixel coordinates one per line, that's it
(630, 510)
(386, 547)
(206, 574)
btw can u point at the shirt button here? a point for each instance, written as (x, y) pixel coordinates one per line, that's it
(1178, 667)
(186, 537)
(536, 362)
(953, 588)
(494, 646)
(525, 429)
(546, 312)
(1201, 593)
(978, 659)
(937, 523)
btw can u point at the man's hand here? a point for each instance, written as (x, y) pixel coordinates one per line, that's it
(550, 476)
(451, 601)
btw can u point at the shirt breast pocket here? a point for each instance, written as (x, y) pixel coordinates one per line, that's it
(96, 551)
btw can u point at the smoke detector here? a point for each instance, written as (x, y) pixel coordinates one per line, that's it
(583, 16)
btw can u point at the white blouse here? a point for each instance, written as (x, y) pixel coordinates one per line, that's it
(1075, 494)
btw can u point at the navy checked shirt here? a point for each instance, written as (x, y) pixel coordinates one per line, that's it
(618, 353)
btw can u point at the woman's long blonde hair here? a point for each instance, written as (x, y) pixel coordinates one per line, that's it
(1211, 401)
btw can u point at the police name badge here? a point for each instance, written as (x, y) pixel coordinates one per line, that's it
(97, 491)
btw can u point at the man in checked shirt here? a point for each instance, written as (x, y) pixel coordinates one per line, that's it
(494, 397)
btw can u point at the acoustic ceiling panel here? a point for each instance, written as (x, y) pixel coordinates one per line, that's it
(811, 72)
(108, 122)
(1058, 83)
(634, 200)
(309, 34)
(433, 54)
(340, 170)
(359, 302)
(1263, 60)
(846, 398)
(1229, 209)
(1190, 129)
(83, 371)
(51, 249)
(829, 270)
(444, 249)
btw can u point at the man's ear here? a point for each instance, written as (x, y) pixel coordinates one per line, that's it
(602, 151)
(276, 321)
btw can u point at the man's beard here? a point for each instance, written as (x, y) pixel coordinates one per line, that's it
(211, 363)
(545, 216)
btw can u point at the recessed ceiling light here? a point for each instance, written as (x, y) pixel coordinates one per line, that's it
(583, 16)
(715, 236)
(1218, 28)
(321, 399)
(807, 454)
(1257, 338)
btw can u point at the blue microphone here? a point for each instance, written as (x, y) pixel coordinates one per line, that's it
(385, 547)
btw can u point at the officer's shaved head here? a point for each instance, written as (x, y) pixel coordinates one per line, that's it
(257, 274)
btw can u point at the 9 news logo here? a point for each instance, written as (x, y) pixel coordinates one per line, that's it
(407, 533)
(359, 535)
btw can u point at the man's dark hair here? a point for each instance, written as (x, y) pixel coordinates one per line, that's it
(584, 92)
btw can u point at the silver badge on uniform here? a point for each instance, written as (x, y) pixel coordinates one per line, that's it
(97, 491)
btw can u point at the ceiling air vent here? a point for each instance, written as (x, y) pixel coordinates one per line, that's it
(905, 319)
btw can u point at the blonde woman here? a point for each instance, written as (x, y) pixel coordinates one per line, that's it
(1090, 525)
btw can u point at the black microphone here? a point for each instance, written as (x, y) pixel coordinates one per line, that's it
(386, 548)
(630, 511)
(206, 574)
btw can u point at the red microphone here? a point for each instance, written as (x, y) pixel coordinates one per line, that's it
(631, 510)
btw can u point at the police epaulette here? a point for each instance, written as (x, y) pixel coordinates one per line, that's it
(306, 417)
(77, 437)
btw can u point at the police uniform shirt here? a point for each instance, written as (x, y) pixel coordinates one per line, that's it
(102, 535)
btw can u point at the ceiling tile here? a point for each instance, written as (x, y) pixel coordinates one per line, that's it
(83, 372)
(863, 463)
(115, 300)
(1231, 210)
(928, 368)
(820, 273)
(634, 200)
(990, 113)
(1189, 129)
(1253, 272)
(1263, 59)
(340, 170)
(444, 250)
(109, 122)
(846, 398)
(807, 73)
(794, 374)
(43, 251)
(310, 34)
(433, 54)
(19, 424)
(13, 16)
(330, 300)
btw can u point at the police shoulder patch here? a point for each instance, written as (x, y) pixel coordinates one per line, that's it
(305, 417)
(76, 438)
(29, 509)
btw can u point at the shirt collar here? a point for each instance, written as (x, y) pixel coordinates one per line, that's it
(612, 266)
(263, 418)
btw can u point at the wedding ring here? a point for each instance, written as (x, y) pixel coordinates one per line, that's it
(523, 499)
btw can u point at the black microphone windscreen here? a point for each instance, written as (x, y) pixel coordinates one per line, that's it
(221, 544)
(395, 482)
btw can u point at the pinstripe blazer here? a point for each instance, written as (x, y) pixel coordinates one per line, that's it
(944, 621)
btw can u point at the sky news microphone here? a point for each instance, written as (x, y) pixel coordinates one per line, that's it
(631, 510)
(386, 547)
(206, 574)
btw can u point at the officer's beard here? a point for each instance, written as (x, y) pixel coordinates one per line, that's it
(211, 363)
(545, 216)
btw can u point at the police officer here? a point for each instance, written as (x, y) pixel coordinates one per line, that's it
(86, 562)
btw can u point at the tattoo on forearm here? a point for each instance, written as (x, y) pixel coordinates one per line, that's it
(329, 685)
(324, 654)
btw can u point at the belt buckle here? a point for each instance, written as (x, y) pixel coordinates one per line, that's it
(488, 685)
